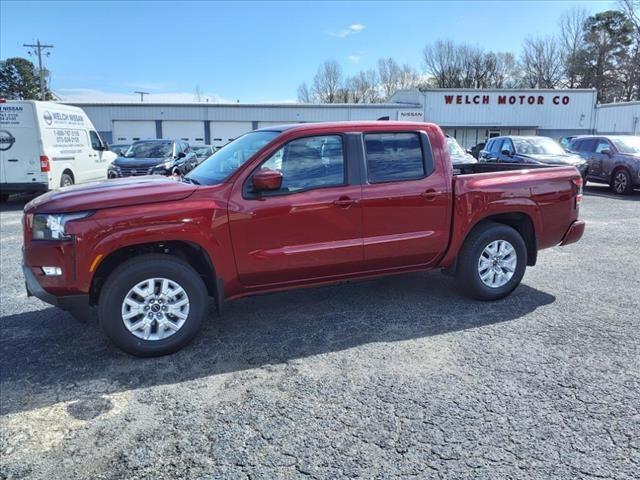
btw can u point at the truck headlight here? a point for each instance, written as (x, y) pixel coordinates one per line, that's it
(51, 226)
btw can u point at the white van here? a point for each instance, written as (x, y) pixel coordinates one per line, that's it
(47, 145)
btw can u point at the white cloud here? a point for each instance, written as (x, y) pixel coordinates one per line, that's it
(350, 30)
(92, 95)
(354, 58)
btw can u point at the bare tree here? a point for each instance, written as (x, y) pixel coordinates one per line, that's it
(542, 63)
(389, 72)
(443, 63)
(363, 87)
(304, 95)
(327, 82)
(572, 44)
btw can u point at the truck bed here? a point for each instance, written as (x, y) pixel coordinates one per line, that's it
(486, 167)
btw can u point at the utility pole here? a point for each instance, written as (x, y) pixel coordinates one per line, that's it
(142, 94)
(39, 48)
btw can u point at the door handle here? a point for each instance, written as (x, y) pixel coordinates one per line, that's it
(345, 202)
(12, 160)
(430, 195)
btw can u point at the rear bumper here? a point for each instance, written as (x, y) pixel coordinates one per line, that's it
(23, 187)
(66, 302)
(574, 233)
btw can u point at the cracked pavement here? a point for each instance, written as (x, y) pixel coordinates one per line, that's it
(397, 377)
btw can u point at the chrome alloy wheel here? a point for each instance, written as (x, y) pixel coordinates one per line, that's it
(497, 263)
(620, 182)
(155, 309)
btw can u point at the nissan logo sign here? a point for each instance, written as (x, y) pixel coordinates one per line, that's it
(6, 140)
(47, 118)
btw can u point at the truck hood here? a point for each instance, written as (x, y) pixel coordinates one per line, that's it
(561, 159)
(119, 192)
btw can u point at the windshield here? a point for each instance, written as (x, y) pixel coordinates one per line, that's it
(538, 146)
(229, 158)
(150, 150)
(629, 145)
(454, 148)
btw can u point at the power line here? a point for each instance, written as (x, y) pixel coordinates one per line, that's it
(142, 94)
(39, 48)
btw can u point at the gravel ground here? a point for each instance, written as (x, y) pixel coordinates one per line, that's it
(396, 377)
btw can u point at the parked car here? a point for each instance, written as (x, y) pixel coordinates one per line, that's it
(475, 150)
(613, 159)
(288, 207)
(120, 148)
(202, 152)
(457, 154)
(531, 149)
(154, 157)
(47, 145)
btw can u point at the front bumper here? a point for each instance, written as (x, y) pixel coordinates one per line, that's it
(574, 233)
(65, 302)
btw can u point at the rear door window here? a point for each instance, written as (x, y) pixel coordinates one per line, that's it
(393, 157)
(495, 146)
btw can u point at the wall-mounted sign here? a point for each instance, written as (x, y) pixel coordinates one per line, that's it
(502, 99)
(411, 115)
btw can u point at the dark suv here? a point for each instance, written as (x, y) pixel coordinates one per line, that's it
(531, 149)
(154, 157)
(613, 159)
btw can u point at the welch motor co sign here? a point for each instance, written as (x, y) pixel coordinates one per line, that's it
(505, 99)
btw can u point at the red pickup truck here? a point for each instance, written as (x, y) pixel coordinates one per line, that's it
(287, 207)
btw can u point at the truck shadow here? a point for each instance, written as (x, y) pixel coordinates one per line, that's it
(48, 357)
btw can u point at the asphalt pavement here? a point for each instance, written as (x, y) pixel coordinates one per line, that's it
(399, 377)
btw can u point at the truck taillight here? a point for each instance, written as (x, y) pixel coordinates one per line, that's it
(44, 164)
(577, 183)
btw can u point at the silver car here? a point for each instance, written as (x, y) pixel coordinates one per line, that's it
(613, 159)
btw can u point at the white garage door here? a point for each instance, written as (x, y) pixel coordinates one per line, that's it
(189, 131)
(225, 132)
(125, 131)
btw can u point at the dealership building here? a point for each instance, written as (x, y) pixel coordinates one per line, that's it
(470, 116)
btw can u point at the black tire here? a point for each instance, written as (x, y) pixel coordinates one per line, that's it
(66, 180)
(136, 270)
(467, 272)
(621, 182)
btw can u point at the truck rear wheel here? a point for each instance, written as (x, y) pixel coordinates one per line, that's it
(492, 262)
(153, 305)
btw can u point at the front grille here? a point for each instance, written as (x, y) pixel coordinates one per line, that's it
(134, 171)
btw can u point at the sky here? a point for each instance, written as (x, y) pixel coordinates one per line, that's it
(250, 52)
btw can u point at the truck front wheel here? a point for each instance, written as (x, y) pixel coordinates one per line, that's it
(152, 305)
(492, 262)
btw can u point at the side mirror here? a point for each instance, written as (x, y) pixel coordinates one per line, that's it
(506, 153)
(606, 152)
(181, 155)
(267, 180)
